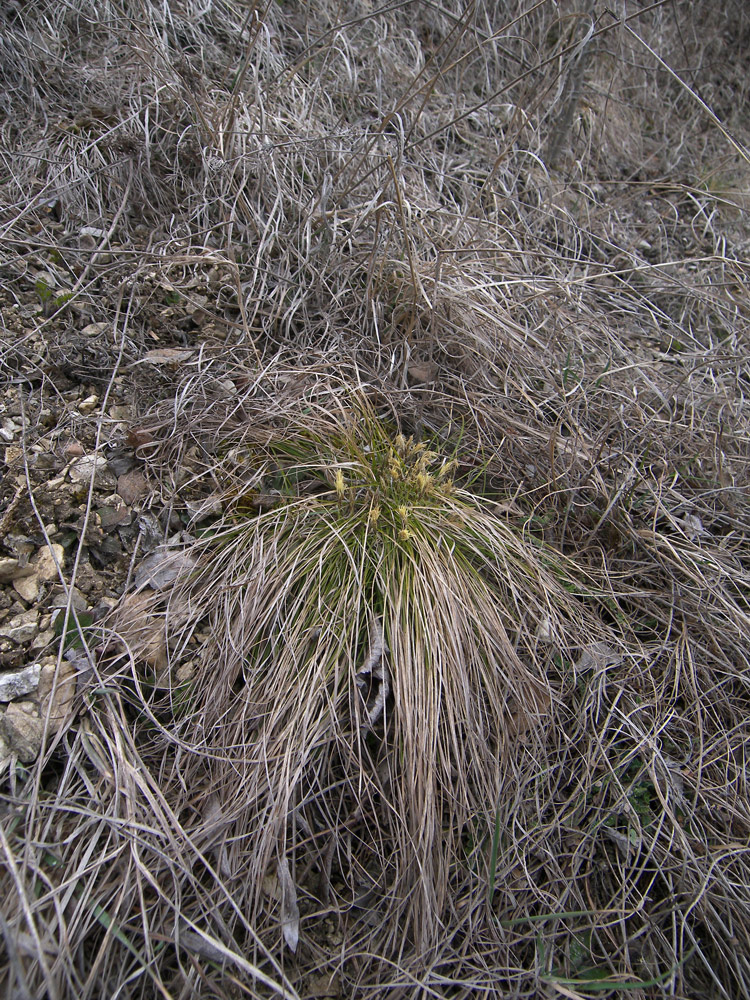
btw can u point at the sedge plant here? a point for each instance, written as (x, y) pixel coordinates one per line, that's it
(368, 671)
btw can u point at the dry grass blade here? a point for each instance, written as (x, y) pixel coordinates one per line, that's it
(370, 563)
(485, 726)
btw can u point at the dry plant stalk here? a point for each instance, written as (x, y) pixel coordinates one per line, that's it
(295, 195)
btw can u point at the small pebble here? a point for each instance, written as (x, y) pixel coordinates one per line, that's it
(88, 404)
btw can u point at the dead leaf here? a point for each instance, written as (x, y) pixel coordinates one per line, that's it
(163, 567)
(598, 655)
(138, 436)
(421, 372)
(131, 486)
(289, 908)
(141, 631)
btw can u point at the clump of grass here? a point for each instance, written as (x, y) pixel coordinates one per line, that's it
(373, 183)
(371, 674)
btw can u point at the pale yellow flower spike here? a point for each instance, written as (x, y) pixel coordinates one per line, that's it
(424, 481)
(340, 484)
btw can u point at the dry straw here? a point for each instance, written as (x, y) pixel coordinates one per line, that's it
(445, 732)
(369, 673)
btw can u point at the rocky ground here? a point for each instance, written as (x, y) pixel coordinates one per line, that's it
(78, 511)
(520, 231)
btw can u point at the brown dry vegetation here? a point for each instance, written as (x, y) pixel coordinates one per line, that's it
(436, 683)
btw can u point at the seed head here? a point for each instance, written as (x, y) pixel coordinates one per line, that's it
(424, 481)
(340, 484)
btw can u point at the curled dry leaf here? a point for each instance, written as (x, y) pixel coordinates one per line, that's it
(139, 436)
(289, 907)
(160, 569)
(374, 669)
(141, 631)
(131, 486)
(598, 655)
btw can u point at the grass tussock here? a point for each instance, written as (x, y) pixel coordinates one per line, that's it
(371, 671)
(442, 686)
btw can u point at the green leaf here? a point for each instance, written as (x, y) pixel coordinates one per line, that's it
(75, 628)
